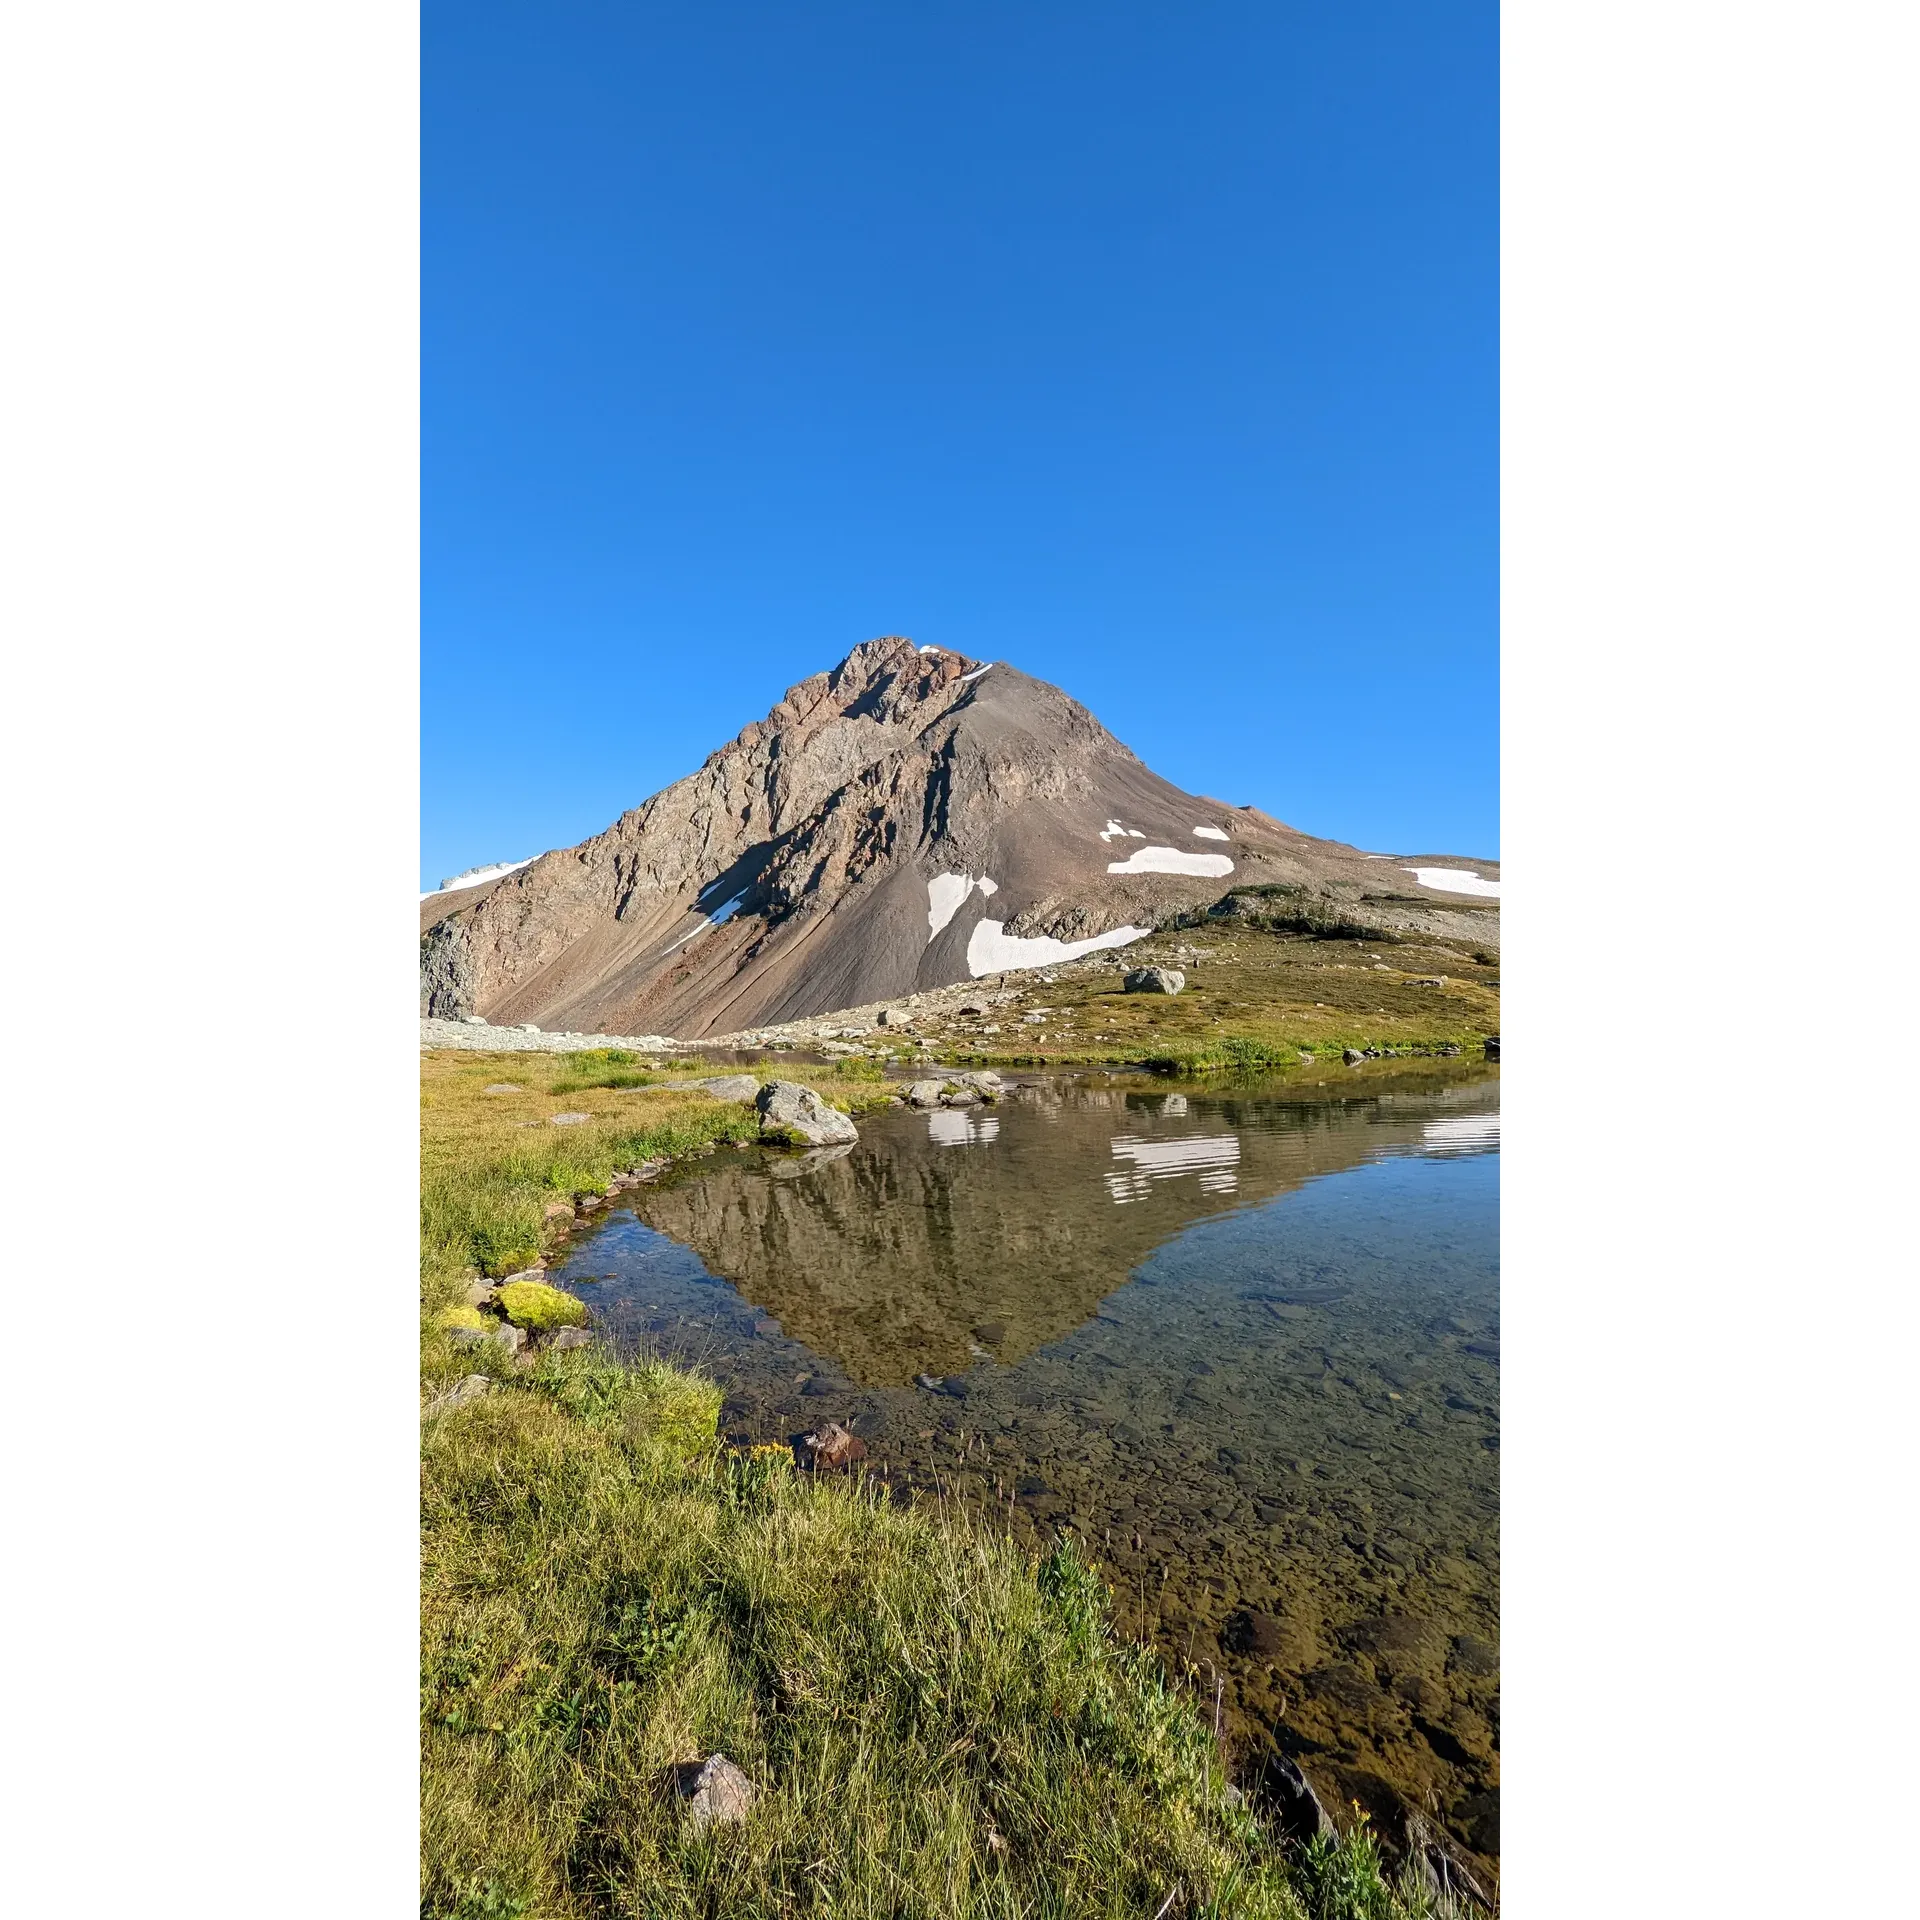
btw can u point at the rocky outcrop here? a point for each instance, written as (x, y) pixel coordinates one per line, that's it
(910, 820)
(802, 1113)
(1154, 980)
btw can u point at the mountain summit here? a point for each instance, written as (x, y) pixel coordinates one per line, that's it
(910, 819)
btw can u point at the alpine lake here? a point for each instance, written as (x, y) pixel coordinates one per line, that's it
(1240, 1338)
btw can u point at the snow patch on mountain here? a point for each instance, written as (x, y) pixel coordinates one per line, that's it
(479, 876)
(947, 893)
(1115, 831)
(1210, 833)
(1455, 880)
(718, 917)
(992, 949)
(1207, 866)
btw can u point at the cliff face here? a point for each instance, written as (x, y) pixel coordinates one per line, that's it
(910, 819)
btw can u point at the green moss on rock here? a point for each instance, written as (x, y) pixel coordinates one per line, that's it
(451, 1317)
(537, 1307)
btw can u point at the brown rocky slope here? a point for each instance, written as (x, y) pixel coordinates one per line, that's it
(911, 819)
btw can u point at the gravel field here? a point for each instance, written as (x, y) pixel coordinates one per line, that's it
(482, 1039)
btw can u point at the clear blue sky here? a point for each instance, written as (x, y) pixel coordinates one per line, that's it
(1151, 348)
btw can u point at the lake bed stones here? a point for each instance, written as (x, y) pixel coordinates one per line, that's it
(1154, 980)
(804, 1114)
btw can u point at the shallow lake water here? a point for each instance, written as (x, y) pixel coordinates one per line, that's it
(1242, 1341)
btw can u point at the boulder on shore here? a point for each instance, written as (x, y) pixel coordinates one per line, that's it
(804, 1114)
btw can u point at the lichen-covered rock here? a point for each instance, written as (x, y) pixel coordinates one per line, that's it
(1154, 980)
(464, 1317)
(471, 1388)
(534, 1305)
(802, 1114)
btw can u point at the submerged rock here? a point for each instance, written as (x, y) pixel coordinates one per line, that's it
(829, 1447)
(802, 1112)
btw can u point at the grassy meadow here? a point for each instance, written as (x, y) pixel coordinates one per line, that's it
(937, 1724)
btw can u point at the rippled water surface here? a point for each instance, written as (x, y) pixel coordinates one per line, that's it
(1244, 1343)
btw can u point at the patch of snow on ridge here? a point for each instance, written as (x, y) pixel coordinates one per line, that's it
(976, 673)
(992, 949)
(479, 876)
(1115, 831)
(1207, 866)
(718, 917)
(1455, 880)
(1210, 833)
(946, 894)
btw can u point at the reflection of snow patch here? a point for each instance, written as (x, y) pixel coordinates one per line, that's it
(1454, 880)
(1214, 1157)
(479, 876)
(1174, 1106)
(718, 917)
(955, 1127)
(1210, 833)
(992, 949)
(1172, 860)
(1465, 1133)
(946, 893)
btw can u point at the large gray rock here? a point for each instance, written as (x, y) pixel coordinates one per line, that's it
(785, 1103)
(1154, 980)
(717, 1793)
(925, 1093)
(743, 1087)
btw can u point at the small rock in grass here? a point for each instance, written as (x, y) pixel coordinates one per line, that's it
(566, 1339)
(538, 1271)
(829, 1447)
(743, 1087)
(569, 1119)
(539, 1308)
(505, 1334)
(716, 1792)
(470, 1336)
(1352, 1056)
(471, 1388)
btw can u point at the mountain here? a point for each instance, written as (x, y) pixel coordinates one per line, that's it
(911, 819)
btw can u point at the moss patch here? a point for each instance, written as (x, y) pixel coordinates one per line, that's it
(536, 1306)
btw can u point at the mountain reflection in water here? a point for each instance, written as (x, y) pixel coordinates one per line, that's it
(1243, 1342)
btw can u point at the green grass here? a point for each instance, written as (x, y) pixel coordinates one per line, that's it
(937, 1724)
